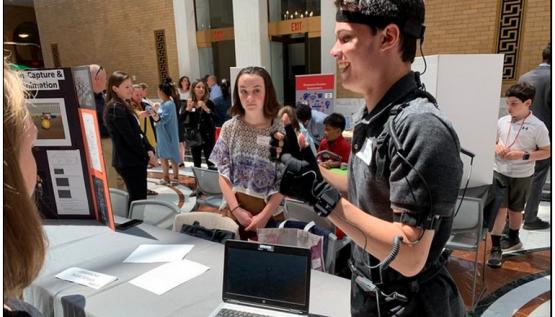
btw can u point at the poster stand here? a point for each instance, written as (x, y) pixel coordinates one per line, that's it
(71, 178)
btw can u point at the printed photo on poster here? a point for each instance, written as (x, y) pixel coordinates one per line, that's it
(49, 115)
(100, 200)
(316, 90)
(83, 87)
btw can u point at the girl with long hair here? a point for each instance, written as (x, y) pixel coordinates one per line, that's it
(24, 239)
(131, 151)
(200, 114)
(167, 132)
(248, 178)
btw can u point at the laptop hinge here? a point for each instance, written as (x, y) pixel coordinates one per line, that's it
(238, 302)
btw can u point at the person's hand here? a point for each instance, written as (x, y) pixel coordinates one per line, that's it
(258, 221)
(243, 216)
(189, 105)
(302, 180)
(143, 114)
(513, 155)
(152, 160)
(285, 119)
(156, 106)
(326, 164)
(303, 143)
(202, 105)
(501, 149)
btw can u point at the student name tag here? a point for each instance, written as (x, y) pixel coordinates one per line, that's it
(263, 139)
(365, 154)
(86, 277)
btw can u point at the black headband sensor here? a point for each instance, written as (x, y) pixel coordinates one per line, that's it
(408, 27)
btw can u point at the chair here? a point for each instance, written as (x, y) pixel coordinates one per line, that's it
(120, 202)
(468, 231)
(208, 184)
(209, 220)
(155, 212)
(297, 210)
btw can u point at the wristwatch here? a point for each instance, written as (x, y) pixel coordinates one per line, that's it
(526, 156)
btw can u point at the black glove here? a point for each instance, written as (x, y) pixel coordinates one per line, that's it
(302, 180)
(288, 145)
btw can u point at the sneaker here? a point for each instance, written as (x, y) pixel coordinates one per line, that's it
(508, 244)
(151, 192)
(537, 224)
(495, 258)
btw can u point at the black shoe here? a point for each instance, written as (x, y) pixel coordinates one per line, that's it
(537, 224)
(151, 192)
(495, 258)
(508, 244)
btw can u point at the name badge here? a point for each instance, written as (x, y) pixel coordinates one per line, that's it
(365, 154)
(263, 139)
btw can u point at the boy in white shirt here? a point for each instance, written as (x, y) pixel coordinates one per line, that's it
(522, 139)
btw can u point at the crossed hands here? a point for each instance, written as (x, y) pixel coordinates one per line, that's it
(506, 153)
(250, 222)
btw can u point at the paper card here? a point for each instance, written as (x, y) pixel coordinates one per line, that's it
(153, 253)
(86, 277)
(168, 276)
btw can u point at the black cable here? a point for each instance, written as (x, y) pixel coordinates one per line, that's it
(423, 58)
(467, 181)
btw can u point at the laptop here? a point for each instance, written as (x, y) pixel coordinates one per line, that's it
(264, 280)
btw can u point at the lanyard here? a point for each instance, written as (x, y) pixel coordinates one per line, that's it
(517, 134)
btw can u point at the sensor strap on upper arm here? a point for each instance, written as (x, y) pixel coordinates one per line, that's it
(426, 222)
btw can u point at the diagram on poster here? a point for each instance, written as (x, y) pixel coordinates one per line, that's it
(92, 143)
(49, 115)
(68, 182)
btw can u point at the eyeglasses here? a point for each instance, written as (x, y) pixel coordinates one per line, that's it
(98, 72)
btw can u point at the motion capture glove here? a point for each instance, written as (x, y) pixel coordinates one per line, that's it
(302, 180)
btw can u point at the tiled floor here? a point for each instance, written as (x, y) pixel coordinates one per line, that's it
(520, 288)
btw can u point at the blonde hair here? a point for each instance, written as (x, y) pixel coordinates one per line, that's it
(24, 240)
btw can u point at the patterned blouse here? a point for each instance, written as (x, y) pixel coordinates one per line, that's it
(242, 155)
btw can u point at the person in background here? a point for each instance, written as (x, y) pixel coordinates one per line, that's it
(248, 178)
(200, 114)
(145, 120)
(183, 88)
(313, 121)
(540, 78)
(522, 139)
(98, 77)
(222, 104)
(131, 151)
(24, 240)
(214, 88)
(288, 115)
(334, 141)
(165, 120)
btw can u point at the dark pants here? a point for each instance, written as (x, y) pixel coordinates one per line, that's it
(196, 151)
(535, 193)
(135, 180)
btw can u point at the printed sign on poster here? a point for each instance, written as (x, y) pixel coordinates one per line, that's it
(317, 90)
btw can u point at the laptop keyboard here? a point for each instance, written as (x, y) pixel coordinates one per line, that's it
(236, 313)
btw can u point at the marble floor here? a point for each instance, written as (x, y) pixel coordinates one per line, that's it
(521, 287)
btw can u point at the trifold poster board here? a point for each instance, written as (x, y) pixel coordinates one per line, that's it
(71, 180)
(468, 89)
(317, 90)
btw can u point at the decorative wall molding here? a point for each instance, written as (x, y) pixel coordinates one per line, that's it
(508, 39)
(161, 54)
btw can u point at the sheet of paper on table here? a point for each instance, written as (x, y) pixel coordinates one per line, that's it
(85, 277)
(154, 253)
(168, 276)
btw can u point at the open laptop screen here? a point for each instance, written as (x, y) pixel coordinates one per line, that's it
(268, 275)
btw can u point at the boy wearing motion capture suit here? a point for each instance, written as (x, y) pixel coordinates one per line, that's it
(404, 171)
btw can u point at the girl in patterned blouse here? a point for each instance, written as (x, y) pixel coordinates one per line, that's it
(248, 178)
